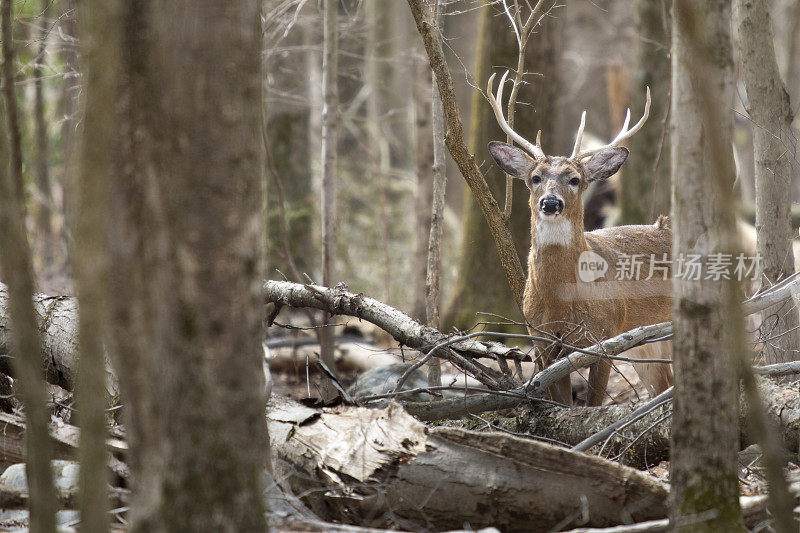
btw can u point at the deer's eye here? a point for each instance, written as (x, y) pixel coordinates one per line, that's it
(575, 181)
(536, 180)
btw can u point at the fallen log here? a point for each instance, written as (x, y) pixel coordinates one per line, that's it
(381, 467)
(58, 329)
(646, 441)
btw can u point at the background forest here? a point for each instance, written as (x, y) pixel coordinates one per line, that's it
(173, 165)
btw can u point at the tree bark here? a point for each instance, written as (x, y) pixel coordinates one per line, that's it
(15, 263)
(45, 204)
(769, 108)
(433, 270)
(330, 135)
(706, 313)
(101, 68)
(187, 253)
(57, 317)
(423, 90)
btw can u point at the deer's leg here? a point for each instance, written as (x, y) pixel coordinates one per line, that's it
(598, 381)
(657, 377)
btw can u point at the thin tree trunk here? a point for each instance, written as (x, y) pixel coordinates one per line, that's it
(330, 135)
(70, 101)
(769, 108)
(101, 67)
(187, 253)
(707, 315)
(15, 262)
(423, 200)
(375, 78)
(433, 277)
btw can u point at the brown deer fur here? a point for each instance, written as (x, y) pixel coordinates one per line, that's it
(558, 304)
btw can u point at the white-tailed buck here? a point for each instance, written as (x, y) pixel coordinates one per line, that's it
(583, 287)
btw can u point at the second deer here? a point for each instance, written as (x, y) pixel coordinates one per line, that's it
(583, 287)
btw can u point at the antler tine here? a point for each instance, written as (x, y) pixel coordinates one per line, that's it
(497, 106)
(624, 129)
(579, 136)
(624, 133)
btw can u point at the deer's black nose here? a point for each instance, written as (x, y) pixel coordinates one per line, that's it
(551, 205)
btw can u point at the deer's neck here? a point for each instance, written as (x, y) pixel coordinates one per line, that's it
(555, 248)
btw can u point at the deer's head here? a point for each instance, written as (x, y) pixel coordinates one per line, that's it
(557, 183)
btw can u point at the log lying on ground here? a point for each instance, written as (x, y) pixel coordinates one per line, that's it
(64, 439)
(573, 425)
(380, 467)
(754, 511)
(58, 328)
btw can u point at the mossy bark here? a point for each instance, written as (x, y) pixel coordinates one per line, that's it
(707, 315)
(482, 284)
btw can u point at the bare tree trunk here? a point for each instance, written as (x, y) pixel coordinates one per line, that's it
(70, 101)
(330, 135)
(769, 108)
(433, 277)
(101, 68)
(707, 316)
(423, 156)
(645, 186)
(375, 77)
(15, 263)
(187, 256)
(45, 203)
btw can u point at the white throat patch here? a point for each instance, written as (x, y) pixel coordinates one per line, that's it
(558, 231)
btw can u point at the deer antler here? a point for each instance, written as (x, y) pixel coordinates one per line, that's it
(623, 134)
(534, 149)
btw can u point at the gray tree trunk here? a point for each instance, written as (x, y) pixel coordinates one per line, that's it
(101, 41)
(45, 203)
(330, 135)
(767, 103)
(439, 186)
(423, 89)
(706, 316)
(187, 243)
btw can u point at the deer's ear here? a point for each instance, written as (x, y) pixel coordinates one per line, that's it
(514, 161)
(606, 163)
